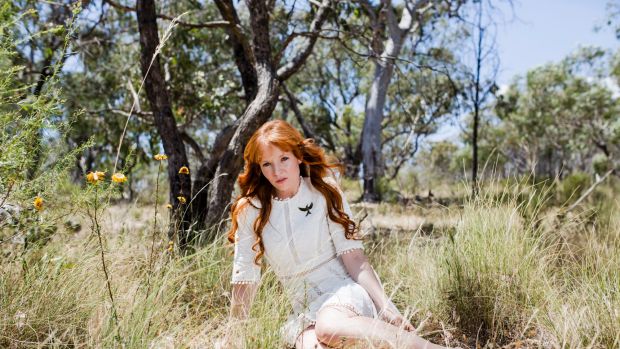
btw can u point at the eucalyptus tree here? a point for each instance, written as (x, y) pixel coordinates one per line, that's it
(262, 67)
(201, 95)
(563, 114)
(335, 89)
(389, 33)
(421, 100)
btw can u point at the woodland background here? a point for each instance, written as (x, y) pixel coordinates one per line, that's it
(505, 235)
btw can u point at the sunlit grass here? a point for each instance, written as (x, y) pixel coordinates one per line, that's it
(492, 272)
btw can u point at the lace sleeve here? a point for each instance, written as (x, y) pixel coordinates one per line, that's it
(336, 230)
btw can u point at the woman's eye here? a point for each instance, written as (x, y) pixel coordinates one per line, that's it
(284, 158)
(266, 164)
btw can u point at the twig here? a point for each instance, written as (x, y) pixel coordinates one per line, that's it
(8, 192)
(589, 191)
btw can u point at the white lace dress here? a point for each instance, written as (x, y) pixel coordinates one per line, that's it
(303, 247)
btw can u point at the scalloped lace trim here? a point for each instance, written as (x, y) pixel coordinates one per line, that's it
(243, 282)
(343, 305)
(349, 250)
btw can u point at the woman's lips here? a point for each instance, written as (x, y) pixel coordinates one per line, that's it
(280, 181)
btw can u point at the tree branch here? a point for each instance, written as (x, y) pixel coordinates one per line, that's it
(308, 131)
(242, 51)
(290, 68)
(193, 144)
(213, 24)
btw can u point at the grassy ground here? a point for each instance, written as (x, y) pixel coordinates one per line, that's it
(501, 270)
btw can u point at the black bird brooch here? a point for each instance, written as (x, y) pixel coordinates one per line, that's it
(306, 209)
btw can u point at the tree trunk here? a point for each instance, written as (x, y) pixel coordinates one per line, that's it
(243, 60)
(159, 101)
(477, 103)
(372, 162)
(263, 103)
(256, 114)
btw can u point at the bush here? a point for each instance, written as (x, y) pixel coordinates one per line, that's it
(31, 163)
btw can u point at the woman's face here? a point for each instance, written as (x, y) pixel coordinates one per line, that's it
(281, 168)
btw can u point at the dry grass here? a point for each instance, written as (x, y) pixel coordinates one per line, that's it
(486, 274)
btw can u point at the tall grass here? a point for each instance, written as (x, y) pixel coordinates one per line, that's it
(500, 274)
(511, 272)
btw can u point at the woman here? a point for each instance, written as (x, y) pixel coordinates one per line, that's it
(292, 213)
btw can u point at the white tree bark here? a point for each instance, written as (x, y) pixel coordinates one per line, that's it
(372, 162)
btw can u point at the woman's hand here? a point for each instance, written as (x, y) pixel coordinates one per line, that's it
(392, 317)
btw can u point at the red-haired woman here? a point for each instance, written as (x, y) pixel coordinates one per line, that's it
(292, 213)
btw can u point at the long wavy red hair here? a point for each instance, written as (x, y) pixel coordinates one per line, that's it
(314, 164)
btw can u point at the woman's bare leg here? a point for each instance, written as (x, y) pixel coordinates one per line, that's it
(307, 340)
(339, 326)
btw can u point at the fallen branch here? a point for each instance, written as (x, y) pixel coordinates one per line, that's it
(589, 191)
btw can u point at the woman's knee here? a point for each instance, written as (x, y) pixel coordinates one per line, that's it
(307, 340)
(329, 321)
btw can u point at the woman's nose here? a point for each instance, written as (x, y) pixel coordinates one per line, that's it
(277, 169)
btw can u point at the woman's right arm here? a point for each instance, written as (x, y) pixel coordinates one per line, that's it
(246, 274)
(242, 298)
(240, 304)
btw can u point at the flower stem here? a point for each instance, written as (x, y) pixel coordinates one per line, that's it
(154, 236)
(97, 229)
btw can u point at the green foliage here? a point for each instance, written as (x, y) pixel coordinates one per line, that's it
(33, 157)
(558, 116)
(441, 162)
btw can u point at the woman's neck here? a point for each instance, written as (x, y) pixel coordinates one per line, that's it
(290, 194)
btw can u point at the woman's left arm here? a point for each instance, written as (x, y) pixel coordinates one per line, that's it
(361, 271)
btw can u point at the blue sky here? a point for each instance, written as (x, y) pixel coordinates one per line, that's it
(547, 30)
(539, 32)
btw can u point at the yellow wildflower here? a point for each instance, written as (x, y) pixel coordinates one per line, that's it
(181, 199)
(184, 170)
(119, 178)
(169, 206)
(95, 177)
(160, 157)
(38, 203)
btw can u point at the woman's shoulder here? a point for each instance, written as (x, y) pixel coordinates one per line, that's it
(248, 207)
(332, 180)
